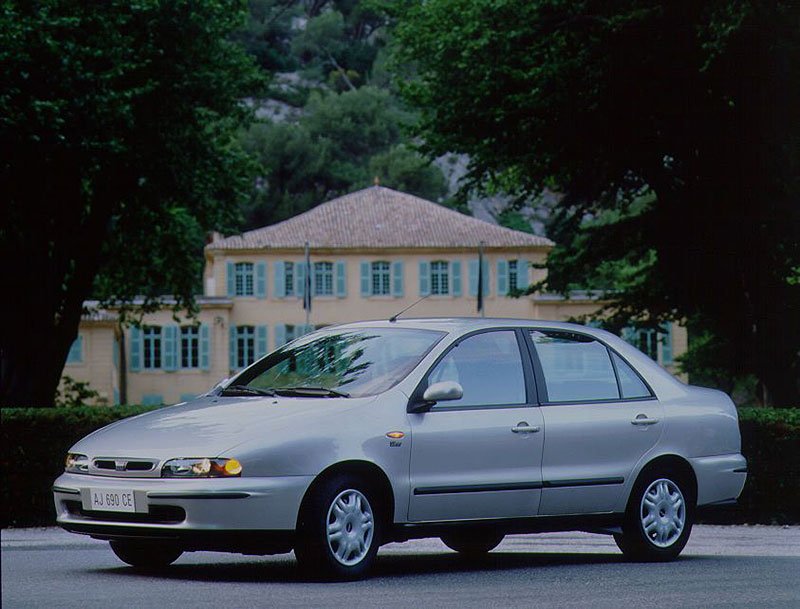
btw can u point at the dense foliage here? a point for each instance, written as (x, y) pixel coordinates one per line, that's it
(35, 441)
(330, 120)
(117, 135)
(671, 128)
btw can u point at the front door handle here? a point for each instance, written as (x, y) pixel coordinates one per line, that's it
(643, 419)
(523, 427)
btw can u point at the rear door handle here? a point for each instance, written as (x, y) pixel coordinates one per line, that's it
(643, 419)
(523, 427)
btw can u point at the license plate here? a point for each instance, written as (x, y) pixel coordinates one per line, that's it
(111, 500)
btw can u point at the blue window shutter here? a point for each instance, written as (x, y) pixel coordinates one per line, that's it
(205, 347)
(365, 279)
(136, 349)
(666, 346)
(261, 279)
(231, 280)
(522, 274)
(397, 279)
(152, 399)
(630, 335)
(280, 335)
(424, 278)
(261, 341)
(456, 278)
(485, 278)
(473, 278)
(502, 277)
(169, 345)
(299, 278)
(185, 397)
(75, 354)
(116, 396)
(341, 279)
(279, 270)
(232, 348)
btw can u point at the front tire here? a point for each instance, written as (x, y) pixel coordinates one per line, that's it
(146, 555)
(340, 529)
(658, 519)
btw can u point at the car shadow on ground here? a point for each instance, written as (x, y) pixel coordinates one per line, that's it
(284, 569)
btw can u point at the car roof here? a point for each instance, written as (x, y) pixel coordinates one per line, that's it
(462, 324)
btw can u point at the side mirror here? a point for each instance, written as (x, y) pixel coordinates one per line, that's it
(443, 391)
(438, 392)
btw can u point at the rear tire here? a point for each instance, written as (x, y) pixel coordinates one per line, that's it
(659, 517)
(473, 544)
(150, 555)
(340, 529)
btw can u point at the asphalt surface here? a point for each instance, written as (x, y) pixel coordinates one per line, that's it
(756, 567)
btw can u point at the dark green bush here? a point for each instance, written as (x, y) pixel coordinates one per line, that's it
(35, 441)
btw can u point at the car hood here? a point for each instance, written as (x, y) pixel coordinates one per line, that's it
(206, 427)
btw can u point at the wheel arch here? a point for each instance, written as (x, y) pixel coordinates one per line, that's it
(669, 461)
(368, 471)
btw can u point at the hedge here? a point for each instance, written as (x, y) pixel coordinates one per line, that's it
(35, 440)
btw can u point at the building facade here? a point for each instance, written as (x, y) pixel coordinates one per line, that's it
(372, 253)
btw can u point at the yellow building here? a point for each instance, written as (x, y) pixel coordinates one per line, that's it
(372, 253)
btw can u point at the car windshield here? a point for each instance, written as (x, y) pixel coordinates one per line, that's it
(344, 363)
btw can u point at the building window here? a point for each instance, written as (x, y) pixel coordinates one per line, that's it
(190, 347)
(381, 279)
(646, 340)
(243, 277)
(323, 278)
(152, 347)
(512, 275)
(245, 346)
(75, 355)
(439, 277)
(288, 278)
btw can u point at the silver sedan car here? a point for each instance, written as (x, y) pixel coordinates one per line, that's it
(376, 432)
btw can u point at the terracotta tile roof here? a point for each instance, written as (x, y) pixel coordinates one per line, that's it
(379, 217)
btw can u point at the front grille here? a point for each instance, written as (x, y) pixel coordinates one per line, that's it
(123, 465)
(157, 514)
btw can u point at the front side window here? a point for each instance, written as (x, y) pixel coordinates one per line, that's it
(381, 278)
(243, 275)
(576, 367)
(288, 278)
(440, 277)
(358, 362)
(323, 278)
(245, 346)
(488, 367)
(190, 347)
(152, 347)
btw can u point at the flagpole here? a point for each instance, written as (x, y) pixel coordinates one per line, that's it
(481, 306)
(307, 287)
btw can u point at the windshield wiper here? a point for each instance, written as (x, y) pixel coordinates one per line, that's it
(246, 390)
(303, 390)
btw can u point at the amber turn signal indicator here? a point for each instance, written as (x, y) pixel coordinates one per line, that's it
(395, 435)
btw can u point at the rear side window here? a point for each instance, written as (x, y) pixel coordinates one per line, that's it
(576, 368)
(632, 386)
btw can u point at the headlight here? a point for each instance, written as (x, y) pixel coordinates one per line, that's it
(76, 463)
(201, 467)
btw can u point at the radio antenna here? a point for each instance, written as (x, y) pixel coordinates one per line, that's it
(394, 317)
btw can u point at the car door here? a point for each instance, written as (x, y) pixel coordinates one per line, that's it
(600, 419)
(479, 456)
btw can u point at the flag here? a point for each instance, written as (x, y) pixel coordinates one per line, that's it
(480, 278)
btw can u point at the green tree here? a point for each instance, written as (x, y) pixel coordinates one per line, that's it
(117, 131)
(694, 103)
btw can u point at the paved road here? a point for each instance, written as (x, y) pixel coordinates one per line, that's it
(751, 567)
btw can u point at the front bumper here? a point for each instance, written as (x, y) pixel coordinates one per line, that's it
(720, 478)
(211, 508)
